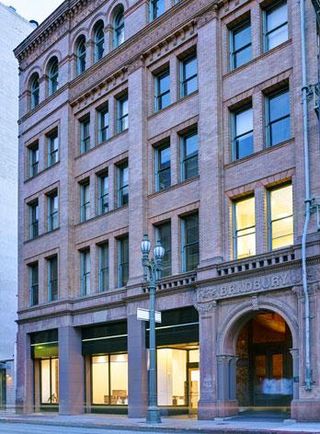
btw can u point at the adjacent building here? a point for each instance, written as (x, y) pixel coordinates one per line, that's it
(183, 120)
(14, 29)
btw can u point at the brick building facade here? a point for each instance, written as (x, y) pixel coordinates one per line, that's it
(181, 119)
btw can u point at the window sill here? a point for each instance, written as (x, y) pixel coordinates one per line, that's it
(41, 172)
(174, 187)
(173, 104)
(100, 216)
(99, 145)
(41, 236)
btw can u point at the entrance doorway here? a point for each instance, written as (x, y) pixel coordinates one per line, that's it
(264, 366)
(3, 397)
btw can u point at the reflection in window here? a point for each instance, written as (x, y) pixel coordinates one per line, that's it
(103, 193)
(49, 372)
(123, 261)
(53, 76)
(85, 135)
(103, 267)
(189, 155)
(244, 228)
(33, 219)
(276, 25)
(123, 184)
(278, 117)
(34, 283)
(35, 91)
(190, 242)
(157, 8)
(84, 201)
(281, 217)
(122, 114)
(33, 152)
(53, 211)
(163, 234)
(243, 133)
(118, 35)
(85, 268)
(240, 44)
(162, 90)
(53, 148)
(99, 41)
(103, 124)
(53, 278)
(110, 379)
(81, 53)
(172, 376)
(163, 167)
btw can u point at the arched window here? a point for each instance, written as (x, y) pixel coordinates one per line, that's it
(34, 90)
(53, 75)
(118, 27)
(81, 52)
(98, 41)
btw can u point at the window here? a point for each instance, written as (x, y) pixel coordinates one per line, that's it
(33, 152)
(53, 278)
(53, 148)
(81, 52)
(53, 75)
(242, 133)
(163, 233)
(162, 90)
(34, 219)
(35, 91)
(49, 375)
(99, 41)
(162, 166)
(118, 31)
(280, 217)
(53, 211)
(103, 193)
(157, 8)
(123, 261)
(34, 284)
(122, 114)
(85, 267)
(103, 267)
(189, 76)
(244, 223)
(103, 124)
(123, 185)
(240, 45)
(190, 242)
(85, 135)
(276, 25)
(278, 118)
(84, 201)
(189, 155)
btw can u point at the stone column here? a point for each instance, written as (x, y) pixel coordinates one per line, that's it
(207, 408)
(137, 366)
(71, 371)
(226, 375)
(25, 379)
(295, 372)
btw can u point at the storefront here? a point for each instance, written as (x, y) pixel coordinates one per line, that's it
(45, 355)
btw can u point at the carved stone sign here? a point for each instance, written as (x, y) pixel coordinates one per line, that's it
(276, 280)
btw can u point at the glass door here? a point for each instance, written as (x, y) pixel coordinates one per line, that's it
(194, 389)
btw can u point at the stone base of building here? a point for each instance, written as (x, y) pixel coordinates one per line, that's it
(305, 410)
(207, 410)
(227, 408)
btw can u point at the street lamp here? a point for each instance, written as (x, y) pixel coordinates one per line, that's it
(151, 270)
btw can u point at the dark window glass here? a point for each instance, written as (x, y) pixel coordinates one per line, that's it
(162, 94)
(35, 91)
(103, 125)
(81, 55)
(278, 116)
(189, 76)
(123, 261)
(240, 41)
(53, 148)
(164, 235)
(53, 211)
(163, 169)
(190, 242)
(276, 25)
(189, 156)
(123, 185)
(53, 278)
(84, 135)
(123, 114)
(34, 284)
(33, 160)
(118, 36)
(84, 202)
(243, 133)
(53, 75)
(103, 193)
(85, 269)
(103, 267)
(99, 42)
(157, 8)
(34, 219)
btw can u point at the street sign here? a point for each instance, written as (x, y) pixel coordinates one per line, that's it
(144, 315)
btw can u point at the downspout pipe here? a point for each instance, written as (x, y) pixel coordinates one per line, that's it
(307, 337)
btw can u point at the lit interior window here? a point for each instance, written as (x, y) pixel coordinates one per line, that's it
(245, 228)
(281, 217)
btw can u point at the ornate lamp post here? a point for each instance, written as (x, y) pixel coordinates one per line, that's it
(152, 269)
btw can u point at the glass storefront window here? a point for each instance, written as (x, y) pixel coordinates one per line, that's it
(49, 381)
(194, 356)
(110, 379)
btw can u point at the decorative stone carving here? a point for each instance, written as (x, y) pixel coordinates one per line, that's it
(255, 302)
(204, 306)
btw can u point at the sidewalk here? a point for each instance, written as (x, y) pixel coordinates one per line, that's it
(168, 425)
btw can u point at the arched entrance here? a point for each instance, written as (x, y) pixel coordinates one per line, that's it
(264, 369)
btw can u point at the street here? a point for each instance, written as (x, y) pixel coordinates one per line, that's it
(17, 428)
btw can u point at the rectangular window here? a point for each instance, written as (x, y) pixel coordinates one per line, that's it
(103, 193)
(103, 124)
(163, 234)
(33, 219)
(34, 283)
(122, 114)
(33, 152)
(53, 278)
(84, 201)
(190, 242)
(85, 268)
(123, 261)
(276, 25)
(278, 118)
(280, 217)
(53, 211)
(53, 148)
(162, 90)
(240, 45)
(244, 223)
(242, 133)
(189, 155)
(85, 135)
(157, 8)
(162, 167)
(123, 184)
(189, 76)
(103, 267)
(49, 375)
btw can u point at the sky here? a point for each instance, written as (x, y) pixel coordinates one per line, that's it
(34, 9)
